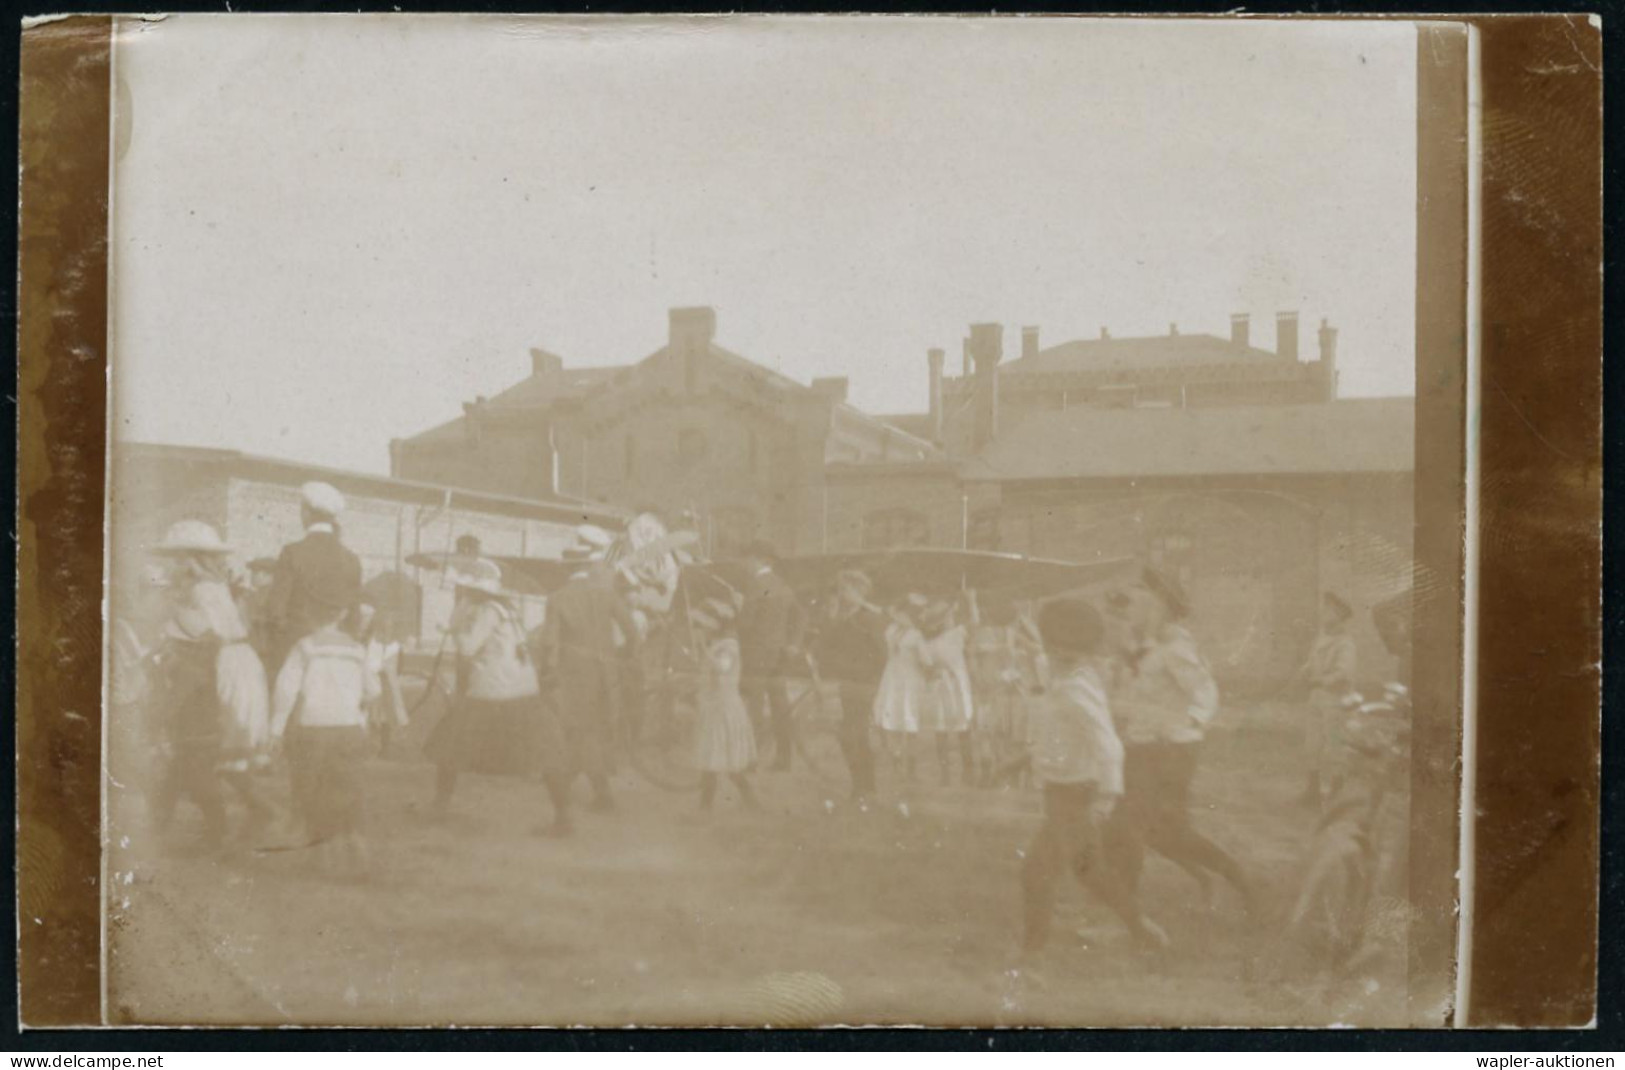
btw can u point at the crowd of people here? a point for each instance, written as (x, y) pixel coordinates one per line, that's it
(1100, 705)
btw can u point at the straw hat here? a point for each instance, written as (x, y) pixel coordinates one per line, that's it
(192, 537)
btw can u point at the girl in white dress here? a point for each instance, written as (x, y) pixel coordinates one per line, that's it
(724, 742)
(900, 701)
(950, 707)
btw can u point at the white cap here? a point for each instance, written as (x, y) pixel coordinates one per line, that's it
(322, 498)
(593, 536)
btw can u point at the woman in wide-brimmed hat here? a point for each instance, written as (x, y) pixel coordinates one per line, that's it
(500, 723)
(900, 700)
(219, 734)
(724, 742)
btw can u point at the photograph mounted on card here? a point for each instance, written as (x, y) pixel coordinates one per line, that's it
(784, 521)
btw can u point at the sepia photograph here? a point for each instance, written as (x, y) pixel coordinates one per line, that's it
(769, 521)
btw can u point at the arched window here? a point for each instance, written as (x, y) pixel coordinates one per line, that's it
(887, 529)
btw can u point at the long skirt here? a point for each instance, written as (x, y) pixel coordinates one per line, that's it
(900, 699)
(519, 737)
(326, 764)
(724, 741)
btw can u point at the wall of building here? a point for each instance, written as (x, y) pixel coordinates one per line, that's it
(260, 515)
(881, 507)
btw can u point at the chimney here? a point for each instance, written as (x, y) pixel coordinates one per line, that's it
(1240, 327)
(692, 329)
(986, 350)
(1105, 335)
(1173, 329)
(964, 370)
(1328, 360)
(933, 360)
(1029, 342)
(544, 364)
(833, 388)
(1286, 335)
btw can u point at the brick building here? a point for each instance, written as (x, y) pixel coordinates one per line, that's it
(691, 427)
(1235, 466)
(1258, 509)
(992, 395)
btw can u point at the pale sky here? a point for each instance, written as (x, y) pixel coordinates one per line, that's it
(330, 231)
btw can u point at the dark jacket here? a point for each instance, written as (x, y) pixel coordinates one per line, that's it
(313, 577)
(575, 647)
(851, 648)
(770, 623)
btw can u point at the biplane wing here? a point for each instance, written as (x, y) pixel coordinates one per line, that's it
(939, 571)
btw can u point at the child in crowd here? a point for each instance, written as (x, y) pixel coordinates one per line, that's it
(950, 706)
(1077, 761)
(387, 713)
(320, 708)
(900, 702)
(725, 743)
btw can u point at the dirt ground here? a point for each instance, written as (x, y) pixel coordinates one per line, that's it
(807, 911)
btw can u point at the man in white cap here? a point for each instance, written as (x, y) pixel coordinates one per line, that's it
(312, 576)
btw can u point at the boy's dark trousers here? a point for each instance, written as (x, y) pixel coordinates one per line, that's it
(1155, 812)
(857, 709)
(1067, 842)
(772, 692)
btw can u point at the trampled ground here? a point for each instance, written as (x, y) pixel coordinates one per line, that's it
(805, 911)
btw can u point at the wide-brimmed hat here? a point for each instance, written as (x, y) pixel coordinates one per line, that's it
(1169, 591)
(478, 576)
(192, 537)
(1070, 626)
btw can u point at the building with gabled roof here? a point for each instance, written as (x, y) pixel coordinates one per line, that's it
(689, 428)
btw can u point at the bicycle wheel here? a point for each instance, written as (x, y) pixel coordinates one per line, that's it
(663, 739)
